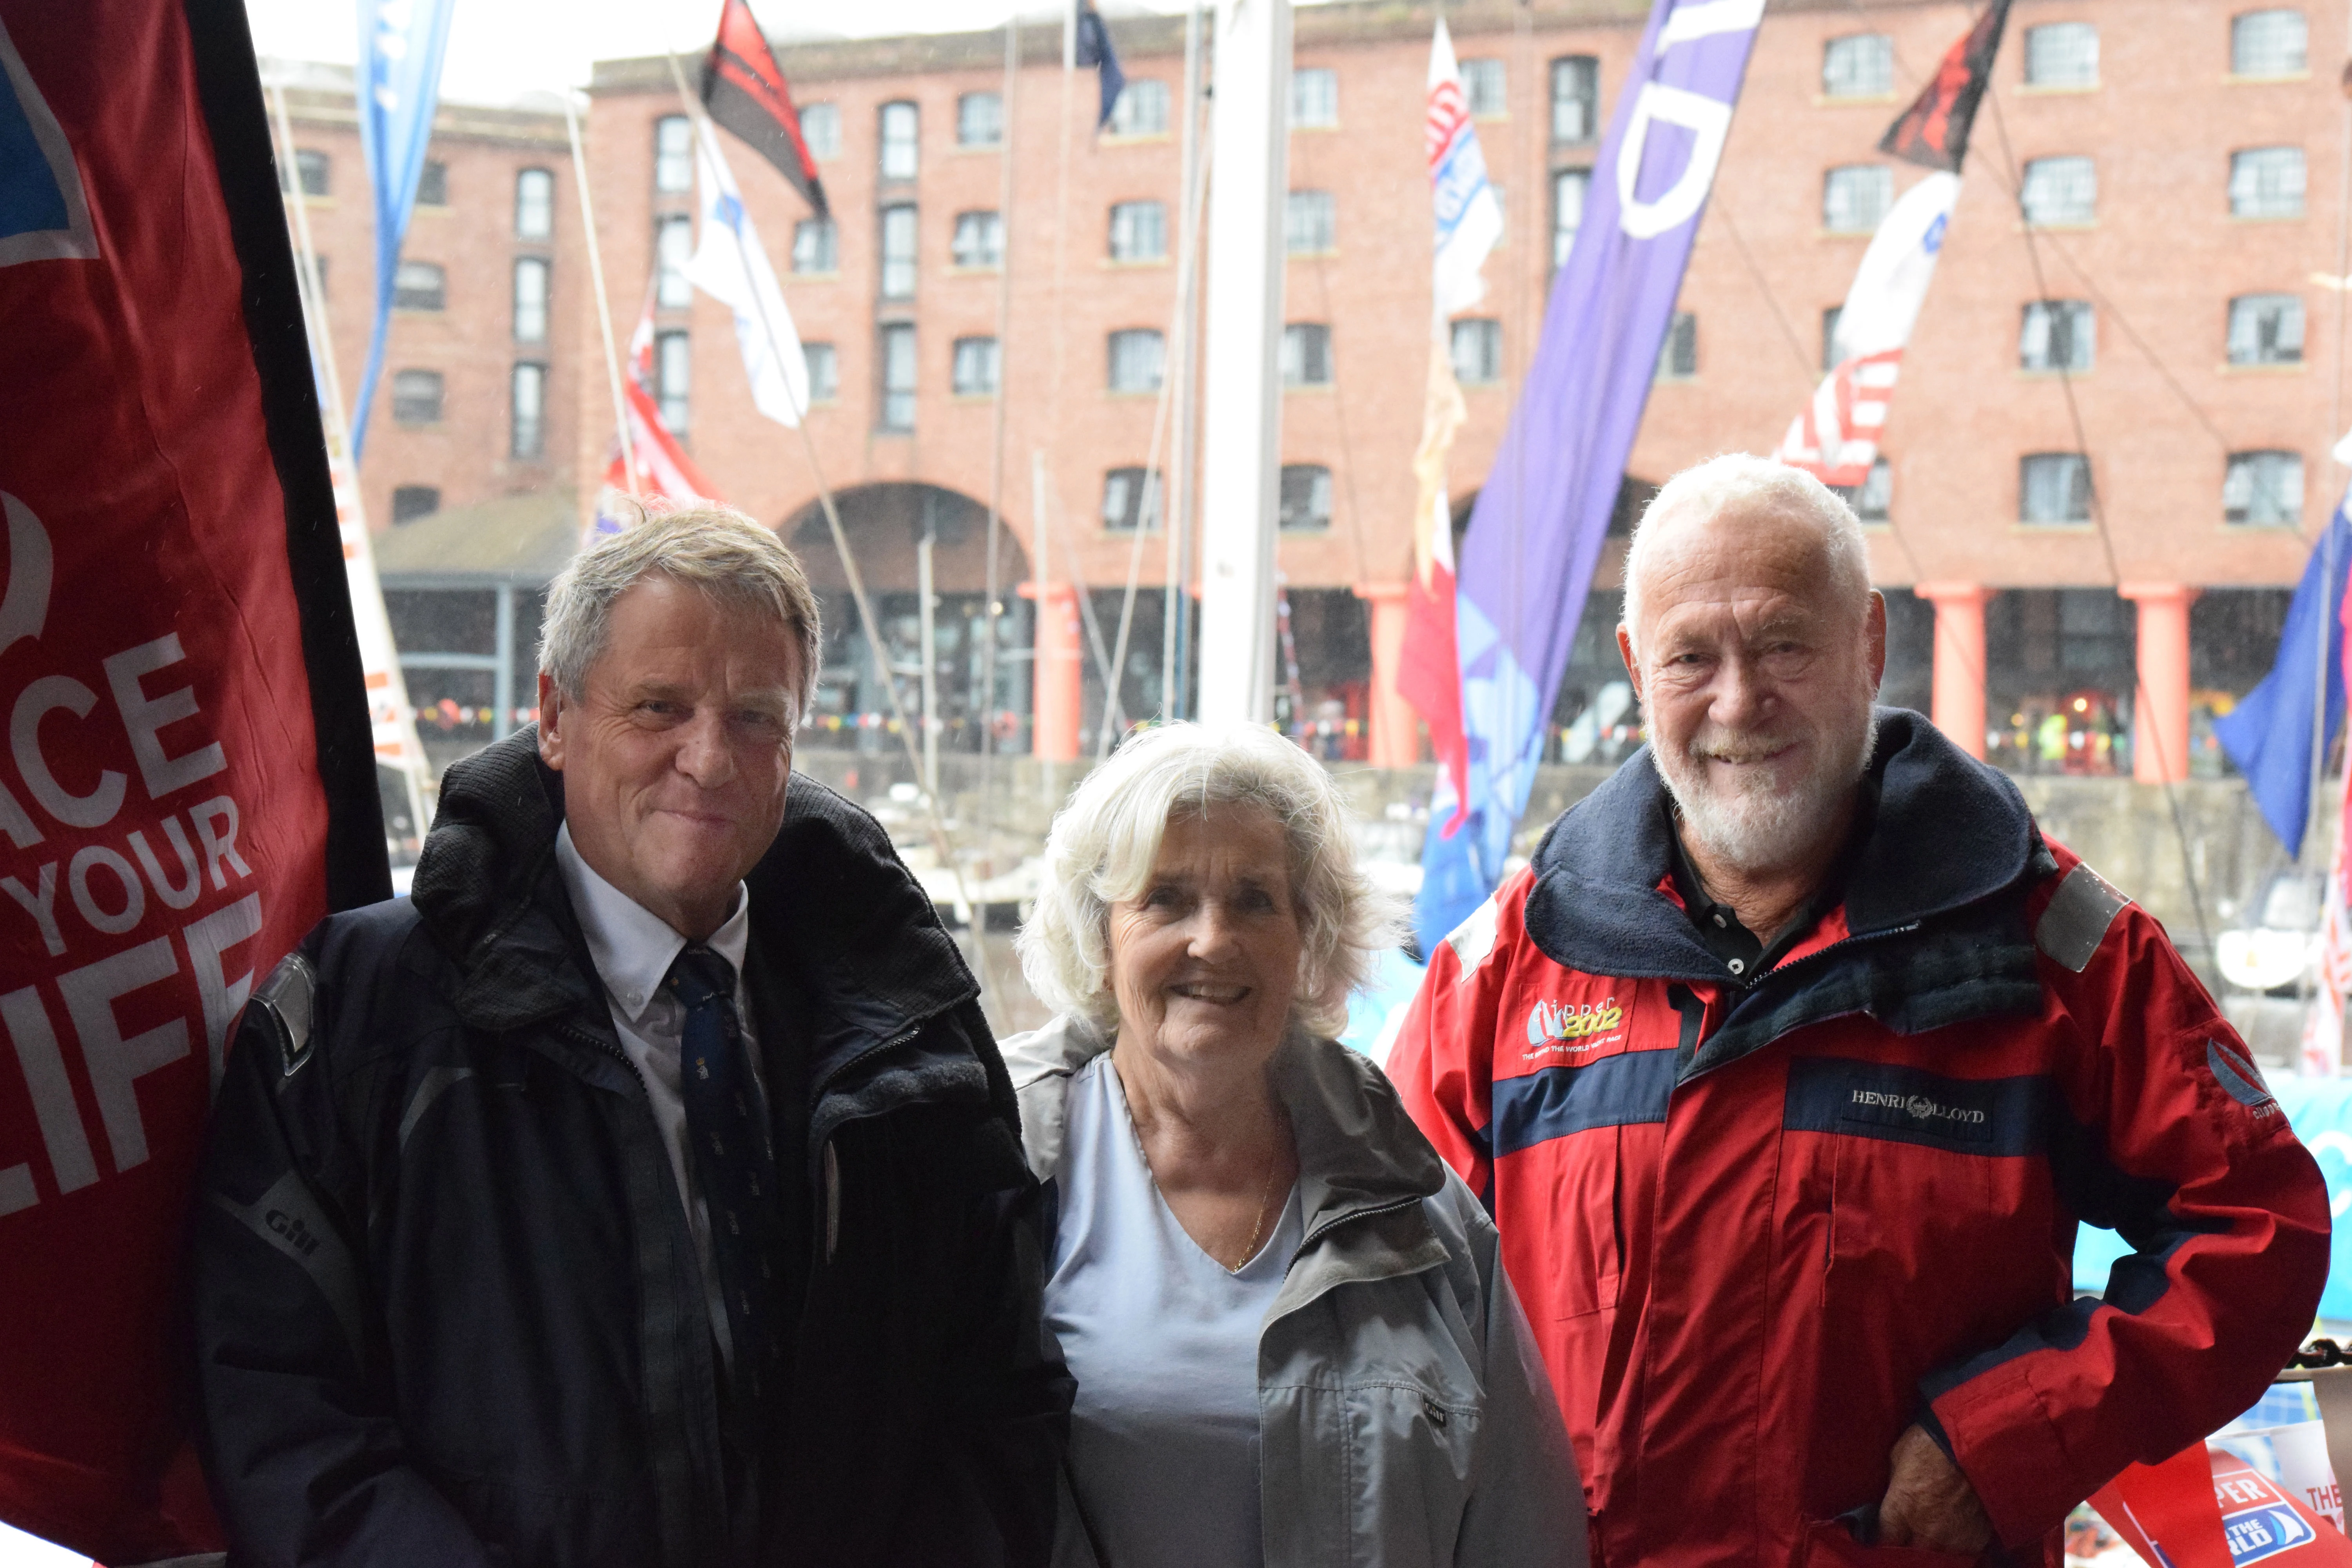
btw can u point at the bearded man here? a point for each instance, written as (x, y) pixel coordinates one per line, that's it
(1789, 1067)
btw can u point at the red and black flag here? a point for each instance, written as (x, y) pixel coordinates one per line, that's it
(743, 89)
(193, 782)
(1935, 129)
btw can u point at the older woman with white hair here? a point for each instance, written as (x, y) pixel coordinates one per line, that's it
(1293, 1338)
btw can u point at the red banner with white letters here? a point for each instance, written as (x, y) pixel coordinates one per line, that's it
(188, 781)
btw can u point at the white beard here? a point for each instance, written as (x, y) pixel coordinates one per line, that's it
(1760, 829)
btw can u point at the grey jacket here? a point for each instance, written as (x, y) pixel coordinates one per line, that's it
(1405, 1420)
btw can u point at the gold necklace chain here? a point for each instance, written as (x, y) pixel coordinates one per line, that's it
(1264, 1198)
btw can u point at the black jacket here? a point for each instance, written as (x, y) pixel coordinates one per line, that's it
(446, 1307)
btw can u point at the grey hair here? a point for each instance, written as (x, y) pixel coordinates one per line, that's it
(719, 549)
(1742, 480)
(1105, 839)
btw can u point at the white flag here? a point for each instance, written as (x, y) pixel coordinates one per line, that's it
(1469, 215)
(1836, 437)
(729, 266)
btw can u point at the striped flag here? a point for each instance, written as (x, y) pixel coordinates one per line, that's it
(665, 473)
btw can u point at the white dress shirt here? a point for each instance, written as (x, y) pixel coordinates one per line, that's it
(632, 948)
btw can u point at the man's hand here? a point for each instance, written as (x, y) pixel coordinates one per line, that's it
(1930, 1503)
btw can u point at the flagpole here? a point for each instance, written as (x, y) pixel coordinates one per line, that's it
(604, 306)
(940, 841)
(992, 606)
(1177, 522)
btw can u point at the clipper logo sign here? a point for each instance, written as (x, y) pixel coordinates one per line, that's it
(43, 215)
(2257, 1518)
(1556, 1028)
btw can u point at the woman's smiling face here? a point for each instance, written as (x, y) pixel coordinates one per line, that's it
(1204, 957)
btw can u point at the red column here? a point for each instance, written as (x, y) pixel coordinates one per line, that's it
(1959, 700)
(1055, 697)
(2161, 710)
(1396, 728)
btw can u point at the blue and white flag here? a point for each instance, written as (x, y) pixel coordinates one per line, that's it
(730, 266)
(1469, 217)
(1536, 533)
(400, 44)
(2269, 733)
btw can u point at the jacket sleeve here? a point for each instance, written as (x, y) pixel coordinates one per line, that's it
(2160, 1129)
(295, 1422)
(1442, 1061)
(1526, 1504)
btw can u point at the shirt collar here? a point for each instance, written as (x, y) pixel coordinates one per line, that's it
(631, 946)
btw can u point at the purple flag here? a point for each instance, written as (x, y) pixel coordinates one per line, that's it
(1527, 559)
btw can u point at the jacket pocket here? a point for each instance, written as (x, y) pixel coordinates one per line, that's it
(1588, 1196)
(1410, 1457)
(1829, 1544)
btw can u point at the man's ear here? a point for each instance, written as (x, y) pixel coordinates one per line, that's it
(551, 723)
(1625, 652)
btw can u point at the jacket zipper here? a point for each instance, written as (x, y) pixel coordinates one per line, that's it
(1747, 988)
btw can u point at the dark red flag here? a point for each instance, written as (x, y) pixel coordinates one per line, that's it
(1935, 129)
(743, 89)
(190, 779)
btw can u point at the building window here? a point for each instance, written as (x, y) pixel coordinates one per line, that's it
(1138, 231)
(816, 246)
(2062, 53)
(1830, 317)
(2264, 490)
(1860, 65)
(1567, 188)
(1575, 100)
(898, 238)
(673, 247)
(2056, 334)
(978, 240)
(1872, 497)
(1314, 98)
(1130, 501)
(821, 130)
(1855, 197)
(901, 127)
(1141, 110)
(1309, 224)
(310, 171)
(2054, 488)
(1479, 352)
(420, 286)
(980, 119)
(2267, 181)
(2266, 328)
(2060, 190)
(433, 184)
(673, 378)
(1486, 89)
(416, 396)
(975, 367)
(1679, 355)
(529, 410)
(897, 412)
(1306, 355)
(530, 300)
(534, 204)
(410, 502)
(1305, 497)
(673, 153)
(823, 372)
(2270, 42)
(1138, 357)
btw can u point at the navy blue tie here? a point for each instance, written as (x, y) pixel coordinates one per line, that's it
(736, 1163)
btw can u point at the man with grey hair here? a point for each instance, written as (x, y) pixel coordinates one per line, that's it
(1789, 1065)
(647, 1188)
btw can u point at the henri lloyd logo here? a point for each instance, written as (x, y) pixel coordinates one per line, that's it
(1919, 1108)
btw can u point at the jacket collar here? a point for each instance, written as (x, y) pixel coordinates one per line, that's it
(1359, 1151)
(1949, 833)
(830, 896)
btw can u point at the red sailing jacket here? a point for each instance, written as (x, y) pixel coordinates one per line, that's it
(1761, 1228)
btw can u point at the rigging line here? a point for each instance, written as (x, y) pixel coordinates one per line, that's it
(1050, 505)
(942, 842)
(2145, 705)
(1340, 412)
(1756, 275)
(990, 608)
(1114, 704)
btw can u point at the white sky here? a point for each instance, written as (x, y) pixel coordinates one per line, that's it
(501, 50)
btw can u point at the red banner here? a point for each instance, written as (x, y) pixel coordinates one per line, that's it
(184, 704)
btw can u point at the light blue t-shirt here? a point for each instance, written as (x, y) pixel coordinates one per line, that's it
(1162, 1339)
